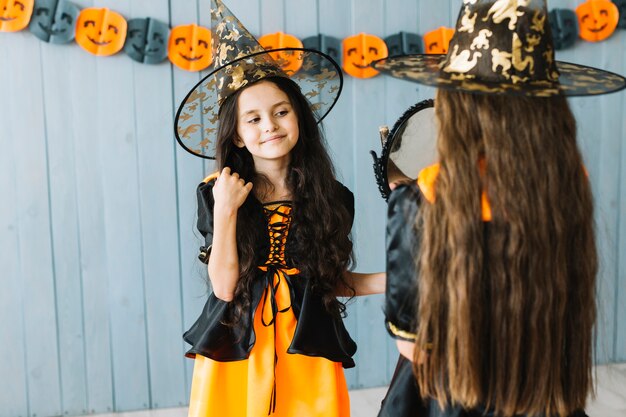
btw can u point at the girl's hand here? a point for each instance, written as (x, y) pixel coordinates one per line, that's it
(230, 191)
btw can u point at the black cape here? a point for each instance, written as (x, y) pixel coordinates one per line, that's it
(318, 333)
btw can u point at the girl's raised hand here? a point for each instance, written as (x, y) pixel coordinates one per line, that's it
(230, 191)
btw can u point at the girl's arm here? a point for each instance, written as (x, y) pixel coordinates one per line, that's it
(229, 193)
(363, 284)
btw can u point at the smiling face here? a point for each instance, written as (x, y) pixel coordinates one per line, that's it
(438, 40)
(289, 61)
(100, 31)
(146, 39)
(564, 27)
(267, 123)
(359, 51)
(15, 14)
(597, 19)
(190, 47)
(53, 20)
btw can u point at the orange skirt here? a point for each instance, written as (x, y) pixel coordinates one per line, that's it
(305, 386)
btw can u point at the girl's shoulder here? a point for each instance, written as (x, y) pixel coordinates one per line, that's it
(210, 179)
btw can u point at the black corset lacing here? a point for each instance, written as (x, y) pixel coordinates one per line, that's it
(275, 269)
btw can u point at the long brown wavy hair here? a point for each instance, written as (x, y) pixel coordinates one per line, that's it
(507, 308)
(320, 245)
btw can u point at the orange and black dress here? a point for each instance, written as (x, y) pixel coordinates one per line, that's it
(286, 356)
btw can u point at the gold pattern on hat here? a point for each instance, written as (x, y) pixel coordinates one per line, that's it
(463, 62)
(506, 9)
(482, 40)
(468, 21)
(515, 41)
(531, 42)
(520, 63)
(501, 59)
(539, 21)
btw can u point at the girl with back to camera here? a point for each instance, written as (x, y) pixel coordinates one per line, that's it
(271, 340)
(492, 260)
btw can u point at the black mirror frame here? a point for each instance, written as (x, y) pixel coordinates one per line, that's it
(380, 164)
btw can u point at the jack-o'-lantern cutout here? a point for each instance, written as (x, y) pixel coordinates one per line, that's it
(359, 51)
(597, 19)
(190, 47)
(15, 14)
(438, 40)
(54, 20)
(621, 7)
(404, 43)
(564, 27)
(100, 31)
(289, 61)
(146, 41)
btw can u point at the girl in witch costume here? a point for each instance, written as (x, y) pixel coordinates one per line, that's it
(492, 262)
(270, 340)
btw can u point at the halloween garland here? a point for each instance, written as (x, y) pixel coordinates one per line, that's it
(104, 32)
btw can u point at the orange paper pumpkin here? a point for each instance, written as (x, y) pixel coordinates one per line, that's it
(438, 40)
(190, 47)
(597, 19)
(359, 51)
(289, 61)
(100, 32)
(15, 14)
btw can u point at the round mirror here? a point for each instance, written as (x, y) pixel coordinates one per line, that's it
(410, 146)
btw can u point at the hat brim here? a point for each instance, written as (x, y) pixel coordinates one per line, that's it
(574, 79)
(195, 126)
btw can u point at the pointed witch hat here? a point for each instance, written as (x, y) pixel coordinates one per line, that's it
(238, 61)
(502, 47)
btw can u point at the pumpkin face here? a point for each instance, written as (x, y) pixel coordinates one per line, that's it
(15, 14)
(54, 20)
(146, 40)
(621, 7)
(327, 44)
(100, 31)
(597, 19)
(289, 61)
(404, 43)
(190, 47)
(359, 51)
(438, 40)
(564, 27)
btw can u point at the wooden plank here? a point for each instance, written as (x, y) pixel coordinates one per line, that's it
(273, 17)
(607, 198)
(13, 391)
(158, 216)
(368, 103)
(82, 132)
(117, 144)
(189, 172)
(65, 233)
(33, 223)
(620, 290)
(302, 18)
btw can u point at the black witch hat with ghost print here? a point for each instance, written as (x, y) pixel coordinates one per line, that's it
(238, 61)
(502, 47)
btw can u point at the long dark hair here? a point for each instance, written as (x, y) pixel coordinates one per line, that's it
(320, 246)
(508, 307)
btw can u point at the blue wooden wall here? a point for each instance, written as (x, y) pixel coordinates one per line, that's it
(98, 270)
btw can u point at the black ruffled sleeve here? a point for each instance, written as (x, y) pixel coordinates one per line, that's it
(205, 217)
(209, 335)
(402, 248)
